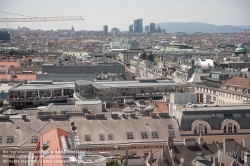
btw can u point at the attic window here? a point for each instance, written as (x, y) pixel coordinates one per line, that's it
(46, 154)
(34, 139)
(213, 115)
(110, 137)
(130, 135)
(171, 134)
(10, 139)
(87, 138)
(144, 135)
(228, 115)
(155, 134)
(102, 137)
(243, 114)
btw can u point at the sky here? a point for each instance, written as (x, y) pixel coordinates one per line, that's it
(121, 13)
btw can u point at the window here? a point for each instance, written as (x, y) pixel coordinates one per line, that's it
(195, 130)
(171, 134)
(10, 139)
(225, 129)
(46, 154)
(229, 128)
(201, 128)
(87, 138)
(243, 115)
(235, 129)
(205, 128)
(34, 139)
(228, 115)
(102, 137)
(0, 139)
(144, 135)
(213, 115)
(110, 137)
(155, 134)
(130, 135)
(170, 126)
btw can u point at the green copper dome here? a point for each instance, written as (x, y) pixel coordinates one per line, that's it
(240, 49)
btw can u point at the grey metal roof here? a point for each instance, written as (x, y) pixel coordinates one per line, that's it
(126, 84)
(43, 86)
(117, 127)
(186, 118)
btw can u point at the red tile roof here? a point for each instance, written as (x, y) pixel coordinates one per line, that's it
(241, 82)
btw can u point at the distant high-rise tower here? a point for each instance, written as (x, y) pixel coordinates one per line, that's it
(105, 30)
(131, 29)
(114, 32)
(136, 26)
(140, 25)
(146, 28)
(72, 29)
(152, 27)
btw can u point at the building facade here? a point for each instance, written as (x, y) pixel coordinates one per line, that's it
(105, 30)
(152, 27)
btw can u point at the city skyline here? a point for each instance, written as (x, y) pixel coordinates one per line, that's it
(114, 14)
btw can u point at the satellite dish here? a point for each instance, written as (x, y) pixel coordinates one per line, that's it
(13, 74)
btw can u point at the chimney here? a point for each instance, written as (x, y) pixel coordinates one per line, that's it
(228, 145)
(215, 161)
(170, 142)
(190, 142)
(182, 161)
(172, 153)
(233, 163)
(201, 141)
(246, 143)
(126, 157)
(247, 159)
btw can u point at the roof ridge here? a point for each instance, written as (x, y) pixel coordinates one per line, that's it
(34, 133)
(111, 131)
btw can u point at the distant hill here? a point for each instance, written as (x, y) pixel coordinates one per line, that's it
(192, 27)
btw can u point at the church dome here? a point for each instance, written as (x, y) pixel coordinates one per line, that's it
(240, 49)
(150, 57)
(143, 55)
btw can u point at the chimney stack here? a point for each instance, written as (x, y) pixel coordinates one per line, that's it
(246, 143)
(172, 153)
(215, 161)
(201, 141)
(170, 142)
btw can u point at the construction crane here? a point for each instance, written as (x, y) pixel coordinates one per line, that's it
(41, 19)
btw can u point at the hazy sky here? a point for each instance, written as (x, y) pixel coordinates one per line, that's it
(121, 13)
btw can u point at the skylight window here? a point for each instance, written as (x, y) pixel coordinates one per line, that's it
(46, 154)
(10, 139)
(102, 137)
(228, 115)
(87, 138)
(213, 115)
(110, 137)
(243, 114)
(130, 135)
(170, 126)
(155, 134)
(34, 139)
(171, 134)
(144, 135)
